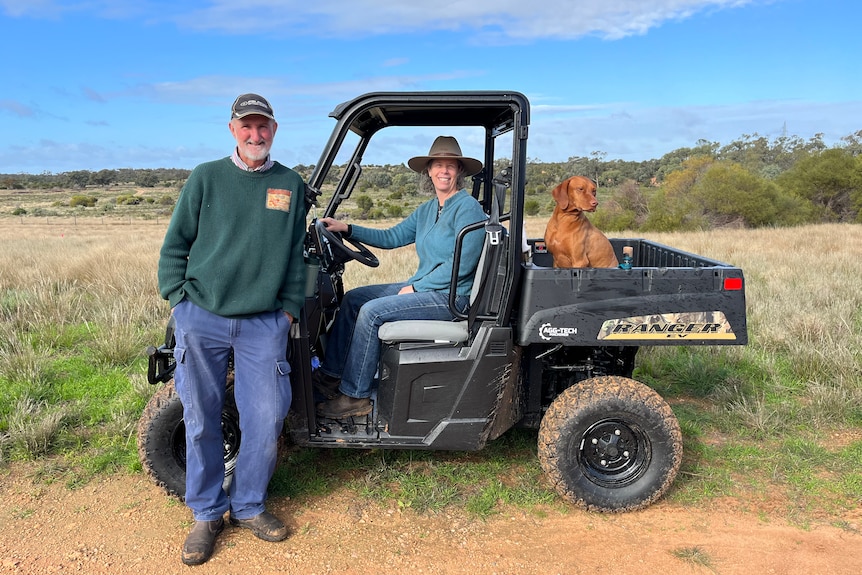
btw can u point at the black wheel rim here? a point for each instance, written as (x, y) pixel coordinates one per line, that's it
(230, 432)
(614, 453)
(178, 444)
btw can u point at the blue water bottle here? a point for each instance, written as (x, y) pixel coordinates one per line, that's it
(626, 264)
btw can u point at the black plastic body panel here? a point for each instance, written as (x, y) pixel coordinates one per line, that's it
(448, 395)
(579, 306)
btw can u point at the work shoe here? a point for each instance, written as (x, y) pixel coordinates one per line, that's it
(325, 385)
(265, 526)
(200, 542)
(344, 406)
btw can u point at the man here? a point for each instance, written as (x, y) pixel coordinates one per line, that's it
(232, 268)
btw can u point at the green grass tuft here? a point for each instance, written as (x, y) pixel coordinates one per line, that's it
(693, 555)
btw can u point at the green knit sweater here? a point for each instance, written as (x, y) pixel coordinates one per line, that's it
(234, 245)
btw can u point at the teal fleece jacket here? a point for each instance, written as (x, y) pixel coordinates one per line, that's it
(234, 245)
(435, 241)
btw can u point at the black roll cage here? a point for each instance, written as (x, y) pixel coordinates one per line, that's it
(498, 112)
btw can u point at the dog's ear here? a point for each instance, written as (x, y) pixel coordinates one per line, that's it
(561, 194)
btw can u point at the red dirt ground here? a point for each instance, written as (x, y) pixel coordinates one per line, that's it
(122, 524)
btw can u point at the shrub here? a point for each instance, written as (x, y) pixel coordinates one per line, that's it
(613, 216)
(730, 193)
(531, 207)
(128, 200)
(364, 203)
(83, 201)
(831, 182)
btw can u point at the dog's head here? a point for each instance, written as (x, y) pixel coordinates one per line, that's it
(577, 194)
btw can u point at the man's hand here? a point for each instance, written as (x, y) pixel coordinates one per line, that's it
(406, 289)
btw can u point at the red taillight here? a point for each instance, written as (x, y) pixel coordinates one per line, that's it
(732, 284)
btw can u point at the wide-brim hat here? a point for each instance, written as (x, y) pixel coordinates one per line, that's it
(445, 147)
(248, 104)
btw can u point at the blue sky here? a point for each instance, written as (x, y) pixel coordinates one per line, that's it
(96, 84)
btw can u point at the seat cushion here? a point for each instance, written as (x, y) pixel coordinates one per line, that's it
(423, 330)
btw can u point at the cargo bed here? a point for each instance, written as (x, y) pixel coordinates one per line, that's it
(669, 297)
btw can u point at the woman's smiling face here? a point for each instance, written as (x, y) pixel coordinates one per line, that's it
(444, 173)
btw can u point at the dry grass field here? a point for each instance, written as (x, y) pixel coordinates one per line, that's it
(770, 479)
(801, 284)
(805, 306)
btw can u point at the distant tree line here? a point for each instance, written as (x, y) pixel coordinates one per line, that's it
(80, 179)
(754, 181)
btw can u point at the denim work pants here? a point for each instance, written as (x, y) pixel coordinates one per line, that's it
(353, 341)
(262, 392)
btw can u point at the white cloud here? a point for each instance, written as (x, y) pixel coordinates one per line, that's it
(216, 89)
(620, 130)
(513, 19)
(630, 132)
(37, 8)
(16, 108)
(509, 19)
(56, 9)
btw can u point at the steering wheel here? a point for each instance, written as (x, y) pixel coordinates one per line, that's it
(333, 248)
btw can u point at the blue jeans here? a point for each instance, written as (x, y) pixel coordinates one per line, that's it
(353, 340)
(262, 392)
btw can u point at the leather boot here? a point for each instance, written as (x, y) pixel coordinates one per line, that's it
(265, 526)
(200, 542)
(344, 406)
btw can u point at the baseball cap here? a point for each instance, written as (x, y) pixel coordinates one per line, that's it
(248, 104)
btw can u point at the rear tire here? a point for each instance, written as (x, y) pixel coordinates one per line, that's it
(610, 444)
(162, 439)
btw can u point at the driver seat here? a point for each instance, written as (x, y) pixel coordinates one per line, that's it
(456, 331)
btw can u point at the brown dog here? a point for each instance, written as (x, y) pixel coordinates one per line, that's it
(571, 238)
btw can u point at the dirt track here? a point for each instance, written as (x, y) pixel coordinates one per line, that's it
(122, 524)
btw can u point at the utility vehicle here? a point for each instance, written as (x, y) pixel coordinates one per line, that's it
(540, 347)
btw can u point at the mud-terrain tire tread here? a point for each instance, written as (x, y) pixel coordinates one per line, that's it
(163, 407)
(573, 411)
(156, 429)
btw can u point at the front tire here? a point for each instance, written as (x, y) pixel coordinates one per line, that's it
(162, 439)
(610, 444)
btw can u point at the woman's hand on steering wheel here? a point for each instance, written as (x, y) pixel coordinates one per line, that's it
(332, 244)
(334, 225)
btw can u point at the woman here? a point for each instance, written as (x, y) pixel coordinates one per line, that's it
(433, 227)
